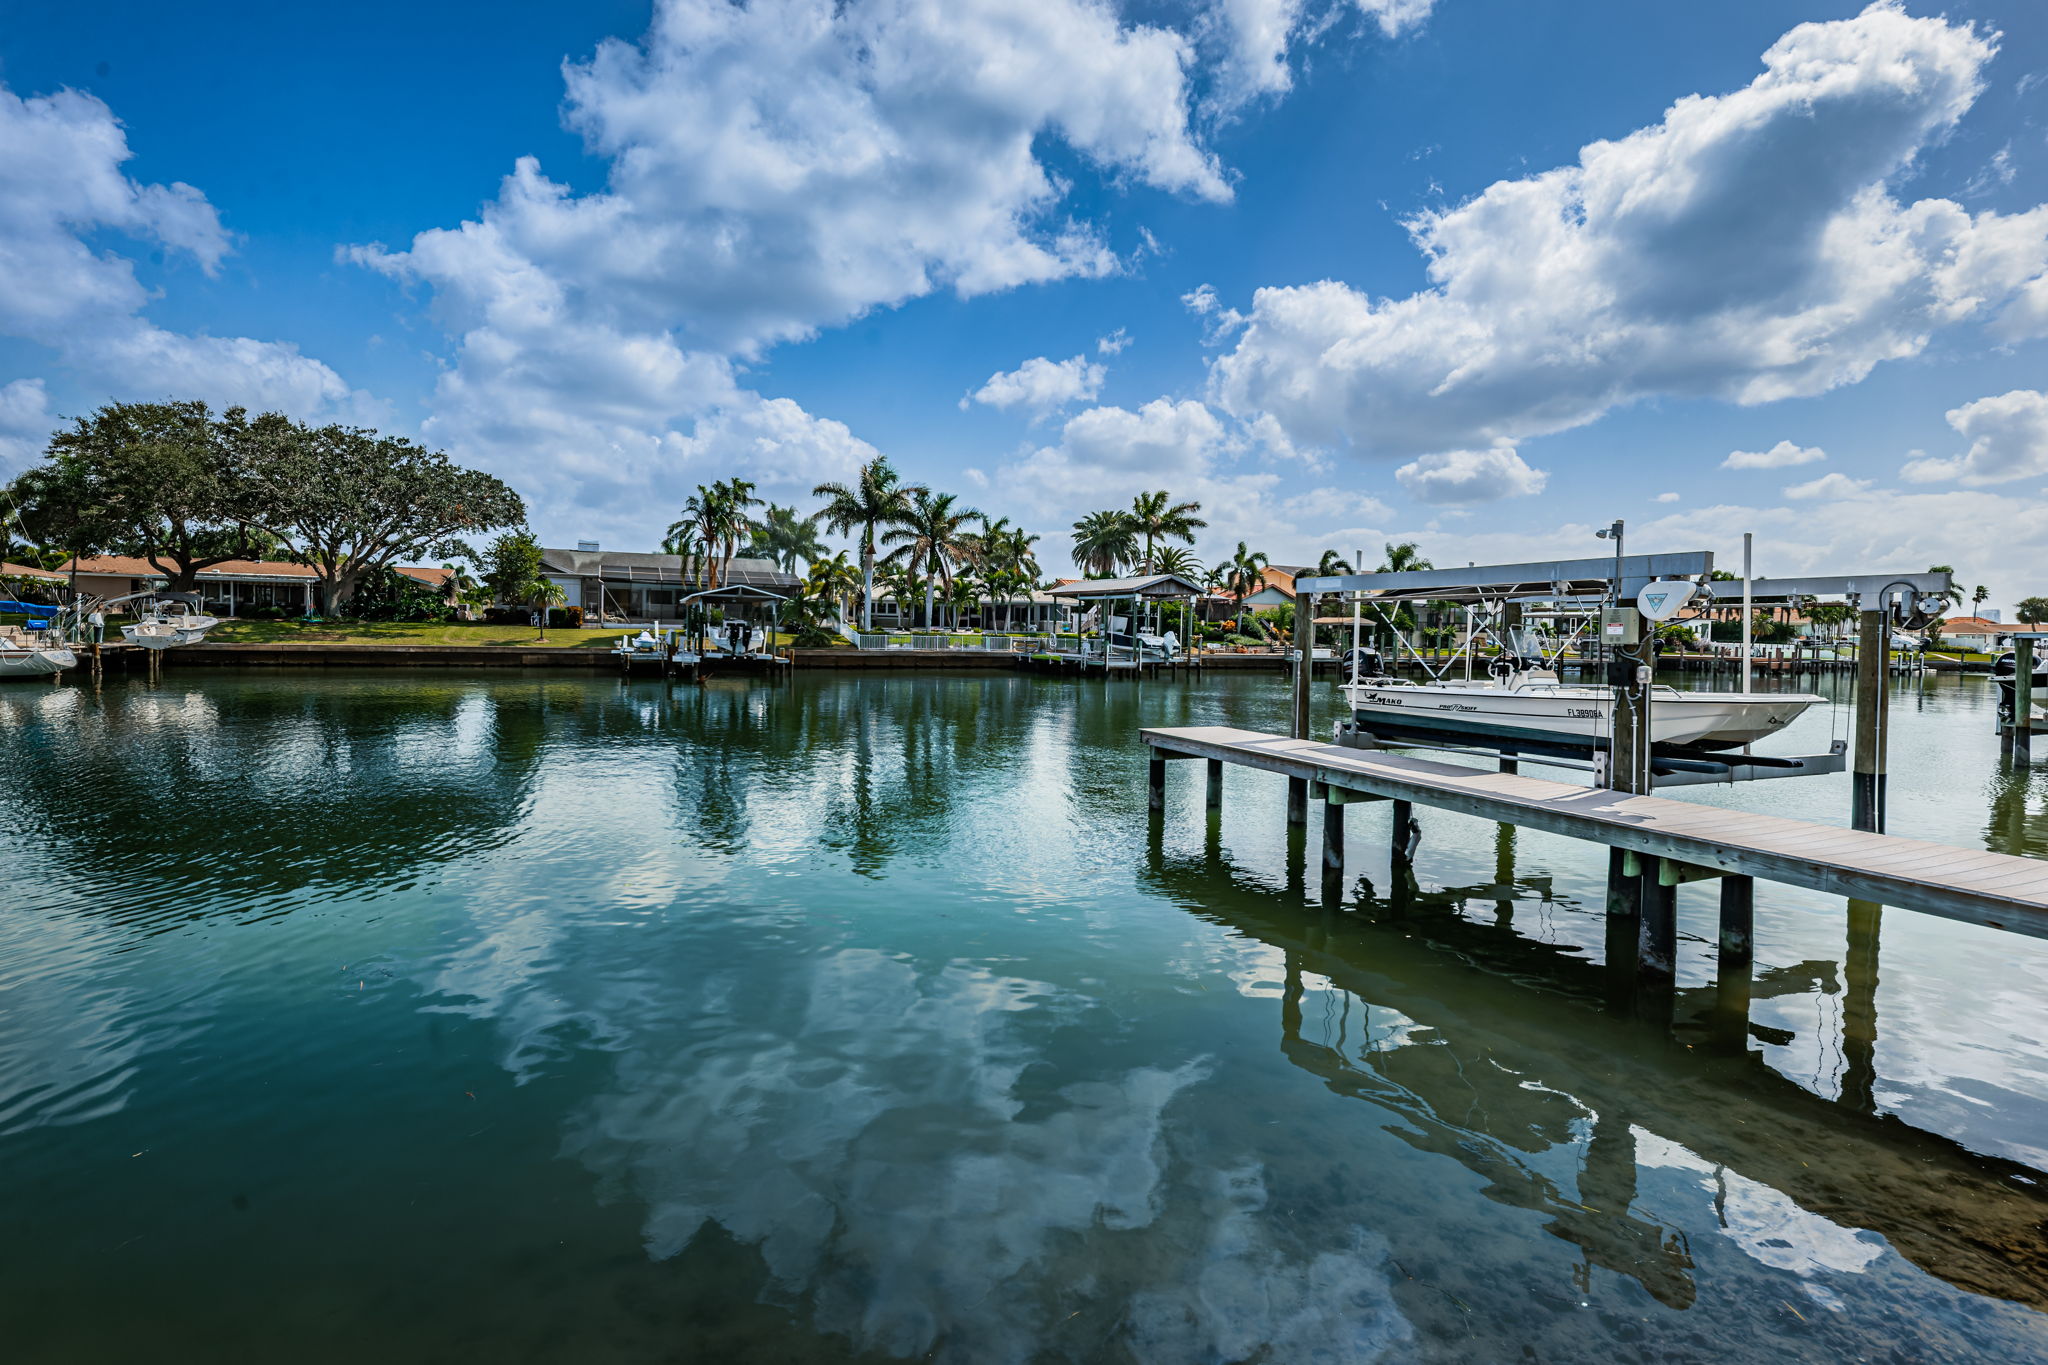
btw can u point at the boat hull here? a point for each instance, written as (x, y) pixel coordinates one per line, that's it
(35, 663)
(1696, 719)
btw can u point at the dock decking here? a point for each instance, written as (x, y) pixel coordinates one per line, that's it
(1992, 889)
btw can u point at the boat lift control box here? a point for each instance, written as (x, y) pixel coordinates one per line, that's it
(1621, 626)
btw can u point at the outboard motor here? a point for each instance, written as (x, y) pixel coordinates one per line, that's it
(2005, 668)
(1363, 663)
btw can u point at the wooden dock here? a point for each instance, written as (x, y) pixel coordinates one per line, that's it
(1671, 841)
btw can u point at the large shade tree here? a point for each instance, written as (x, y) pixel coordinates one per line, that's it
(163, 482)
(352, 502)
(875, 499)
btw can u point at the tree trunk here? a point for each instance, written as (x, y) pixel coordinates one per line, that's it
(867, 585)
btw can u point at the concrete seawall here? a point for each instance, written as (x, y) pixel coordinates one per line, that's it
(313, 654)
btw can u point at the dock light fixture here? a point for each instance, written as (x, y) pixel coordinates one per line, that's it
(1613, 533)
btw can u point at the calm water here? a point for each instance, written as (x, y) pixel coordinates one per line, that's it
(516, 1018)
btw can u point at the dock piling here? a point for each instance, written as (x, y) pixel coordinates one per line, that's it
(1738, 922)
(1297, 801)
(1657, 924)
(1155, 782)
(2022, 731)
(1333, 836)
(1873, 698)
(1214, 794)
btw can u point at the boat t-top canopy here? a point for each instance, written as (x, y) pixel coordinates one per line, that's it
(1150, 587)
(1541, 581)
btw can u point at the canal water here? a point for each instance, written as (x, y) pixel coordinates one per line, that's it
(411, 1018)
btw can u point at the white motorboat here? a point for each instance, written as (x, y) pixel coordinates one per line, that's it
(172, 620)
(31, 655)
(1535, 701)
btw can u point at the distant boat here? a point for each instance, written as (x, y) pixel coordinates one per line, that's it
(37, 651)
(27, 659)
(172, 619)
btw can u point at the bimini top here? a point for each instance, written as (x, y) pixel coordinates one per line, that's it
(1544, 581)
(1150, 585)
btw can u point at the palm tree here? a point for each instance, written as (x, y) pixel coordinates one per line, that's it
(1155, 516)
(963, 594)
(1330, 564)
(1404, 558)
(834, 580)
(873, 500)
(932, 537)
(1103, 542)
(1977, 599)
(1177, 559)
(786, 538)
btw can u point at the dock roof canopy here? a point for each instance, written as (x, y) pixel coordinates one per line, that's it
(1149, 585)
(1541, 581)
(659, 570)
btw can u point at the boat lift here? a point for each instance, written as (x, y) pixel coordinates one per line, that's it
(1494, 595)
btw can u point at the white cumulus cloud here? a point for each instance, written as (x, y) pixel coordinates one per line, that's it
(776, 168)
(25, 423)
(1040, 385)
(2008, 436)
(1780, 456)
(62, 193)
(1836, 485)
(1458, 477)
(1746, 247)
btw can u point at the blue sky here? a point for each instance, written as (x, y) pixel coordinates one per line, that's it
(1048, 252)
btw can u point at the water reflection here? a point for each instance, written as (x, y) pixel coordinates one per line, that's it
(1524, 1056)
(871, 1018)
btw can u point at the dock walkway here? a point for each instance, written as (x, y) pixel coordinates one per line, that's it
(1992, 889)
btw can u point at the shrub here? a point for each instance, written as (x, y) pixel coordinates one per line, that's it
(508, 616)
(388, 595)
(565, 618)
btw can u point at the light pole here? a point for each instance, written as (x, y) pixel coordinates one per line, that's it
(1613, 533)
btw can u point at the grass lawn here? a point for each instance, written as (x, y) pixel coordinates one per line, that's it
(414, 633)
(406, 633)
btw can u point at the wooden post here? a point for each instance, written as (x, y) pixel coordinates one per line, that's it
(1333, 836)
(1732, 971)
(1657, 928)
(1304, 659)
(1624, 890)
(1215, 784)
(1404, 828)
(2023, 702)
(1297, 801)
(1866, 798)
(1738, 922)
(1155, 782)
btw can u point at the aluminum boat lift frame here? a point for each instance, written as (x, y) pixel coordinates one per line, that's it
(1489, 589)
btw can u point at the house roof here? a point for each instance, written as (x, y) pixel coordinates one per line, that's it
(1147, 585)
(130, 566)
(657, 570)
(25, 571)
(265, 570)
(1975, 625)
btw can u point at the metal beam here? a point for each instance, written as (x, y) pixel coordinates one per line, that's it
(1868, 586)
(1537, 580)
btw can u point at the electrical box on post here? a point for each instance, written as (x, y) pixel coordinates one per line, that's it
(1621, 626)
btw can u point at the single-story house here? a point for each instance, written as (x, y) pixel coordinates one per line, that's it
(1975, 632)
(226, 589)
(626, 585)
